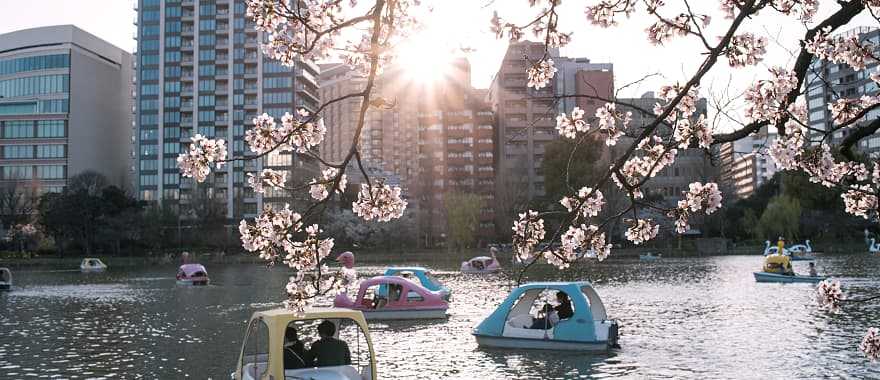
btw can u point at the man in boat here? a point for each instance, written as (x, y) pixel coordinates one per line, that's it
(564, 309)
(328, 351)
(294, 350)
(780, 245)
(813, 272)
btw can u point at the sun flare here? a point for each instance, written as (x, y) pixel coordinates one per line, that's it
(426, 57)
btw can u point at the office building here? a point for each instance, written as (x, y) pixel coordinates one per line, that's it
(200, 70)
(65, 107)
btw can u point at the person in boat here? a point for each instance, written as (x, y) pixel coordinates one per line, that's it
(294, 350)
(564, 309)
(813, 272)
(477, 264)
(780, 245)
(547, 318)
(328, 351)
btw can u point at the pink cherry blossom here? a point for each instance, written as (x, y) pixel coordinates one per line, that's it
(203, 152)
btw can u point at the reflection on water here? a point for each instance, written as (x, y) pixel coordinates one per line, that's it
(683, 318)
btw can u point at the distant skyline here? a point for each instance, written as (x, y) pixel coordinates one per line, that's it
(466, 23)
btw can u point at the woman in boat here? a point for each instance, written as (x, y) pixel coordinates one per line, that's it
(780, 245)
(547, 318)
(564, 309)
(294, 350)
(813, 272)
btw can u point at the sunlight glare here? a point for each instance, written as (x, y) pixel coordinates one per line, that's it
(426, 57)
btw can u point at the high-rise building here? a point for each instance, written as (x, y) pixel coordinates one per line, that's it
(200, 70)
(827, 82)
(691, 165)
(745, 164)
(65, 107)
(526, 118)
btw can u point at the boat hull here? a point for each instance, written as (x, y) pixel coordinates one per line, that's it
(91, 269)
(480, 271)
(193, 282)
(540, 344)
(773, 277)
(398, 315)
(802, 258)
(5, 286)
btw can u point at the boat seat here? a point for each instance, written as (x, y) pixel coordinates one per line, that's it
(602, 328)
(520, 321)
(345, 372)
(521, 332)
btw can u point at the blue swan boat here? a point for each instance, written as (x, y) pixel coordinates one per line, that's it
(421, 274)
(588, 329)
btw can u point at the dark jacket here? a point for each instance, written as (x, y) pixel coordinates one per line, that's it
(329, 351)
(295, 356)
(564, 310)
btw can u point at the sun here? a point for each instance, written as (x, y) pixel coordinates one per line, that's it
(426, 57)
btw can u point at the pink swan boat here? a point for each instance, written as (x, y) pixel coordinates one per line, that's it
(192, 274)
(481, 264)
(420, 303)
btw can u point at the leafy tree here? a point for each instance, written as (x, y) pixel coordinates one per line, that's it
(780, 218)
(568, 166)
(462, 219)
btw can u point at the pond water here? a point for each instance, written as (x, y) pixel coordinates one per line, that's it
(680, 317)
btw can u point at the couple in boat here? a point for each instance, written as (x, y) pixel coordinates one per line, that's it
(550, 315)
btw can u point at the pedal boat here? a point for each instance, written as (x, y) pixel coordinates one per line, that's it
(192, 275)
(5, 279)
(481, 265)
(420, 303)
(422, 276)
(589, 329)
(262, 350)
(777, 268)
(91, 264)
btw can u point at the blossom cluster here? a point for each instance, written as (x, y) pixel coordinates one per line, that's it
(870, 345)
(527, 232)
(608, 117)
(768, 99)
(839, 49)
(319, 190)
(270, 177)
(641, 230)
(829, 295)
(541, 73)
(203, 152)
(603, 13)
(588, 205)
(271, 232)
(379, 202)
(746, 50)
(654, 156)
(686, 131)
(296, 133)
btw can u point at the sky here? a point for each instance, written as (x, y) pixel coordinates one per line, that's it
(465, 23)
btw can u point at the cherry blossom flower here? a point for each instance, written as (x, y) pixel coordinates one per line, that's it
(273, 178)
(870, 345)
(767, 99)
(541, 73)
(202, 153)
(603, 13)
(587, 205)
(557, 39)
(703, 197)
(380, 202)
(664, 30)
(746, 50)
(860, 201)
(641, 231)
(685, 107)
(527, 232)
(569, 127)
(845, 50)
(270, 233)
(296, 133)
(685, 131)
(829, 295)
(608, 117)
(319, 190)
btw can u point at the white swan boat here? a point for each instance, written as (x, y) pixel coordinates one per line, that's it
(5, 279)
(91, 264)
(798, 252)
(873, 247)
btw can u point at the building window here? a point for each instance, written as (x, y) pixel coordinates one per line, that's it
(18, 151)
(17, 172)
(43, 62)
(50, 151)
(18, 129)
(149, 179)
(50, 171)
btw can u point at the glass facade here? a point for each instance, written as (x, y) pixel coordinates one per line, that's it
(33, 87)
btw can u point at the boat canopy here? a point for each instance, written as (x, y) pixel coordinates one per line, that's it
(5, 275)
(191, 270)
(407, 286)
(588, 309)
(92, 262)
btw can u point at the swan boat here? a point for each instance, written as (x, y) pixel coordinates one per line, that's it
(588, 329)
(192, 274)
(798, 252)
(777, 268)
(263, 349)
(481, 265)
(420, 274)
(420, 303)
(90, 264)
(5, 279)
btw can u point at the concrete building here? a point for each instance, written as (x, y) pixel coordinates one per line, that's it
(827, 82)
(691, 165)
(64, 107)
(745, 164)
(200, 70)
(578, 76)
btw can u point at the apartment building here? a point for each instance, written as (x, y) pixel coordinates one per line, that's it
(200, 70)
